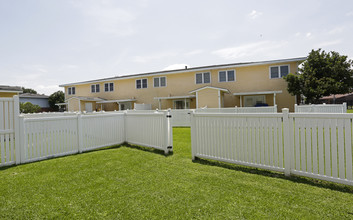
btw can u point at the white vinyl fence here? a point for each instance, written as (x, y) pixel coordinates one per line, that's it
(181, 117)
(312, 145)
(43, 136)
(262, 109)
(9, 108)
(321, 108)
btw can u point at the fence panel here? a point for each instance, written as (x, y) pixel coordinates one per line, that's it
(8, 109)
(321, 108)
(323, 146)
(245, 139)
(48, 137)
(149, 129)
(262, 109)
(101, 130)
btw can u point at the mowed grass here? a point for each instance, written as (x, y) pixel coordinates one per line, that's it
(128, 182)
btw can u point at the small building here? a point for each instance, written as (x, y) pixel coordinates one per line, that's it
(9, 91)
(36, 99)
(339, 99)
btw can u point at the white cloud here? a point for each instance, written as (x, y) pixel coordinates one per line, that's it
(249, 50)
(254, 14)
(176, 66)
(48, 90)
(336, 30)
(308, 35)
(328, 43)
(152, 57)
(349, 13)
(107, 17)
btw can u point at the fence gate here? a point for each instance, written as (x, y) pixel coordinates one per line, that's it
(9, 110)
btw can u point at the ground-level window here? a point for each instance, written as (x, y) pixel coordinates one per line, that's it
(141, 83)
(160, 81)
(279, 71)
(95, 88)
(71, 91)
(181, 104)
(125, 106)
(254, 100)
(203, 78)
(226, 76)
(108, 87)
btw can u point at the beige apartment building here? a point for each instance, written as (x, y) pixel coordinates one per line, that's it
(217, 86)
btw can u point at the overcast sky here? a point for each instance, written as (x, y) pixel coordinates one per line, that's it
(45, 43)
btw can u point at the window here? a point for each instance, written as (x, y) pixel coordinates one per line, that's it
(71, 91)
(254, 100)
(203, 78)
(181, 104)
(108, 87)
(159, 81)
(141, 83)
(95, 88)
(279, 71)
(226, 76)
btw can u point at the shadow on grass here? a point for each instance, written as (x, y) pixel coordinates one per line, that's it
(48, 158)
(272, 174)
(147, 149)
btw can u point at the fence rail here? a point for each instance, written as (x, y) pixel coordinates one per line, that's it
(313, 145)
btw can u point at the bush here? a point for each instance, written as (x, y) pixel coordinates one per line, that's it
(28, 107)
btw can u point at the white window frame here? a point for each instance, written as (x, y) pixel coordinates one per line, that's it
(109, 90)
(95, 88)
(227, 80)
(141, 83)
(70, 89)
(203, 78)
(279, 71)
(159, 80)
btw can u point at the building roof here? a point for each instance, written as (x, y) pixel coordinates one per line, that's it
(36, 96)
(5, 88)
(201, 68)
(337, 96)
(257, 93)
(84, 98)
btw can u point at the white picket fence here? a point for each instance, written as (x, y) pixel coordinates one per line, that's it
(47, 135)
(321, 108)
(312, 145)
(9, 108)
(181, 117)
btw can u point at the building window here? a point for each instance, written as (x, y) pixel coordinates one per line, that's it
(203, 78)
(226, 76)
(141, 83)
(108, 87)
(71, 91)
(95, 88)
(254, 100)
(160, 82)
(279, 71)
(181, 104)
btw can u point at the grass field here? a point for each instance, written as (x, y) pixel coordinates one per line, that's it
(127, 182)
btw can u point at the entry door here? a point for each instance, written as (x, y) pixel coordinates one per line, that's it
(88, 106)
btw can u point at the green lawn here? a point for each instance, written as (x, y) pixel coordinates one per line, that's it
(349, 110)
(128, 182)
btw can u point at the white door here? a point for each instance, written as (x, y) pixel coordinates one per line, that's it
(88, 106)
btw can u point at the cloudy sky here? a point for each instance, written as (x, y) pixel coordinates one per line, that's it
(45, 43)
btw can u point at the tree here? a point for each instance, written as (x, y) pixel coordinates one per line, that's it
(56, 97)
(28, 90)
(28, 107)
(322, 74)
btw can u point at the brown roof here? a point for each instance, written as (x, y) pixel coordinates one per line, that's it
(337, 96)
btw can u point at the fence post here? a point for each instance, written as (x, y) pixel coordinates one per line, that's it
(169, 133)
(79, 132)
(344, 107)
(295, 108)
(193, 136)
(23, 141)
(286, 142)
(16, 109)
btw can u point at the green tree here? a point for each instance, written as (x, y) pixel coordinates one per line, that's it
(322, 74)
(56, 97)
(28, 107)
(28, 90)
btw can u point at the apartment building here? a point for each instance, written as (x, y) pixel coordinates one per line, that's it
(217, 86)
